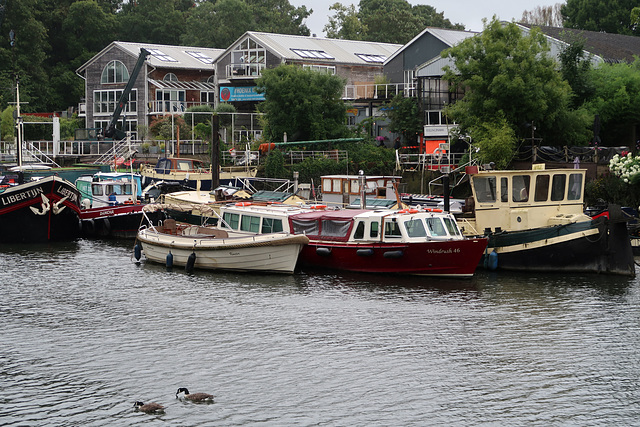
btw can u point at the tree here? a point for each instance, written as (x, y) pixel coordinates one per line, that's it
(152, 21)
(218, 24)
(549, 16)
(384, 21)
(608, 16)
(509, 79)
(575, 68)
(305, 104)
(404, 115)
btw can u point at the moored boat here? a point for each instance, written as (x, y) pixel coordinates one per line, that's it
(39, 211)
(409, 241)
(535, 222)
(194, 246)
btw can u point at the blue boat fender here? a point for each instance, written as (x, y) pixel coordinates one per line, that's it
(169, 260)
(137, 252)
(191, 261)
(492, 263)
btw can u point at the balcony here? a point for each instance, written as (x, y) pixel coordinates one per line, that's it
(378, 91)
(244, 70)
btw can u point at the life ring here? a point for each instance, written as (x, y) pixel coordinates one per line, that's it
(401, 211)
(243, 204)
(318, 207)
(413, 211)
(436, 210)
(438, 154)
(232, 152)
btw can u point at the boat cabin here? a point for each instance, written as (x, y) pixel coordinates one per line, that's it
(256, 218)
(370, 226)
(343, 190)
(167, 164)
(524, 199)
(95, 193)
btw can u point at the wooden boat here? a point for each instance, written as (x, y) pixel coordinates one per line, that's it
(111, 205)
(535, 222)
(194, 246)
(39, 211)
(191, 173)
(409, 241)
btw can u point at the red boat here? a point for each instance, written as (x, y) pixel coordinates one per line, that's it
(410, 241)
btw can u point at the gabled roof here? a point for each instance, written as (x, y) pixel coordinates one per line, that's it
(166, 56)
(448, 37)
(610, 47)
(338, 51)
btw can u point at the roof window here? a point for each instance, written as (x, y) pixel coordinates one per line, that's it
(316, 54)
(206, 59)
(158, 54)
(371, 58)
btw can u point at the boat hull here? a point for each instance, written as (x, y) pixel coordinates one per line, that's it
(122, 221)
(455, 258)
(259, 253)
(598, 246)
(40, 211)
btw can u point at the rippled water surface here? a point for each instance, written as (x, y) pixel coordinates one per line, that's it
(86, 333)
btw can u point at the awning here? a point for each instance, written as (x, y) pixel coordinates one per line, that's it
(191, 85)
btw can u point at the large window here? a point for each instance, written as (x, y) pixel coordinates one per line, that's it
(115, 72)
(105, 101)
(171, 100)
(329, 69)
(128, 125)
(435, 94)
(248, 58)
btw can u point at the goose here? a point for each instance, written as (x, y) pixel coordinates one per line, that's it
(149, 408)
(194, 397)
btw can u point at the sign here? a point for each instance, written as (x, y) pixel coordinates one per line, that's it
(244, 93)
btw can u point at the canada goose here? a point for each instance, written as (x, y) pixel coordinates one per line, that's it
(194, 397)
(149, 408)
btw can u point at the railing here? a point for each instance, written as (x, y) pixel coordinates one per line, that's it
(299, 156)
(378, 91)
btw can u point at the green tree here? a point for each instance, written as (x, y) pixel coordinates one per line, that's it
(509, 78)
(7, 124)
(274, 165)
(575, 68)
(607, 16)
(345, 23)
(305, 104)
(404, 115)
(152, 21)
(218, 24)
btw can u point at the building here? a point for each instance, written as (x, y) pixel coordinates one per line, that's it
(172, 79)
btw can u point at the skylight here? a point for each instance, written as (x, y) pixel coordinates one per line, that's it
(200, 56)
(371, 58)
(161, 55)
(315, 54)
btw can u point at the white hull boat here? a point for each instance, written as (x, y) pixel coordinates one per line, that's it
(211, 248)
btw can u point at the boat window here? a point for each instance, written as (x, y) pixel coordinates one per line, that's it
(575, 186)
(558, 187)
(115, 188)
(96, 190)
(359, 233)
(542, 188)
(333, 228)
(232, 219)
(309, 227)
(520, 185)
(326, 185)
(250, 223)
(415, 228)
(435, 227)
(391, 229)
(373, 231)
(184, 165)
(163, 164)
(485, 188)
(271, 225)
(452, 227)
(504, 189)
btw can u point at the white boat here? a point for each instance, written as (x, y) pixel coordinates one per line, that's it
(194, 246)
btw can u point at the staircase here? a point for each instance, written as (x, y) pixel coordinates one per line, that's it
(120, 149)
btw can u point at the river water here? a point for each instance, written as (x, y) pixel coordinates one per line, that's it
(86, 332)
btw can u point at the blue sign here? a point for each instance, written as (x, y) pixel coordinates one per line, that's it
(243, 93)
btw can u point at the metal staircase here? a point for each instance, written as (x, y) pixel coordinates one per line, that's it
(120, 149)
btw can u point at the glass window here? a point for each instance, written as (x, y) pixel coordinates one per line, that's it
(575, 186)
(271, 225)
(415, 228)
(231, 219)
(336, 186)
(391, 229)
(542, 188)
(96, 190)
(170, 77)
(485, 188)
(520, 185)
(183, 165)
(375, 229)
(435, 227)
(359, 233)
(326, 185)
(115, 72)
(504, 189)
(452, 227)
(250, 223)
(558, 187)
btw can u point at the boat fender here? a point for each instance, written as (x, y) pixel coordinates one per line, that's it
(323, 251)
(364, 252)
(169, 261)
(90, 226)
(106, 227)
(320, 207)
(393, 254)
(137, 252)
(191, 261)
(492, 264)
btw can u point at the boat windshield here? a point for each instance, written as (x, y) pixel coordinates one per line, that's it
(452, 227)
(436, 229)
(415, 228)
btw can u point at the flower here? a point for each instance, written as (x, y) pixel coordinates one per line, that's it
(625, 166)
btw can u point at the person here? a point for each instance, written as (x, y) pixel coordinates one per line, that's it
(397, 144)
(112, 198)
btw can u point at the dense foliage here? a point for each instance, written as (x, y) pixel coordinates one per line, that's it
(387, 21)
(607, 16)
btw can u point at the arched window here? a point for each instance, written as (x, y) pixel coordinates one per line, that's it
(170, 77)
(115, 72)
